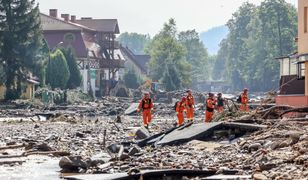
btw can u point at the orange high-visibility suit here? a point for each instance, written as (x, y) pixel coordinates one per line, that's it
(210, 105)
(146, 105)
(244, 102)
(180, 108)
(190, 104)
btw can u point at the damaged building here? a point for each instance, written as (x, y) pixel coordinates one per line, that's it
(99, 57)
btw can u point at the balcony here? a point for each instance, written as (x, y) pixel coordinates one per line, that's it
(108, 44)
(116, 63)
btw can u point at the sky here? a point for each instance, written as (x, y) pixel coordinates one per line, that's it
(148, 16)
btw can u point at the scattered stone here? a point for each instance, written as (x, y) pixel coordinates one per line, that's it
(72, 163)
(254, 147)
(259, 176)
(133, 151)
(80, 134)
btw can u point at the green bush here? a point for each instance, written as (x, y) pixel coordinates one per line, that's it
(74, 80)
(57, 72)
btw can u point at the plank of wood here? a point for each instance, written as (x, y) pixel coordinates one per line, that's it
(13, 146)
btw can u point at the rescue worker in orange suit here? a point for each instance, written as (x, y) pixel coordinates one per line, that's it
(244, 100)
(220, 103)
(210, 105)
(146, 106)
(180, 109)
(190, 104)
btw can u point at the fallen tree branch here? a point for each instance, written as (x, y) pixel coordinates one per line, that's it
(11, 162)
(25, 154)
(13, 146)
(268, 111)
(55, 153)
(300, 110)
(12, 156)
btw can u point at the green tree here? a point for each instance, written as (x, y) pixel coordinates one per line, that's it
(196, 56)
(257, 35)
(21, 39)
(238, 51)
(171, 78)
(166, 50)
(57, 70)
(277, 29)
(219, 66)
(75, 78)
(130, 79)
(134, 41)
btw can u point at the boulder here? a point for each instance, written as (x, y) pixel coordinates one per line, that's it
(72, 163)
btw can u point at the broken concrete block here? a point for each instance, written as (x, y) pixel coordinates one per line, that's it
(114, 148)
(142, 133)
(259, 176)
(133, 151)
(132, 109)
(195, 131)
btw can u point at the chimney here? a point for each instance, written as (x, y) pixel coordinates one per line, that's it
(73, 18)
(86, 18)
(66, 17)
(53, 13)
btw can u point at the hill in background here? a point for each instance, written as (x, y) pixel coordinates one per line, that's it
(213, 37)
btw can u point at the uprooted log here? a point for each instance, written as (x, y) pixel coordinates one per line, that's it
(294, 110)
(25, 154)
(273, 112)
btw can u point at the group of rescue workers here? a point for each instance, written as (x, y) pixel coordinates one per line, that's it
(187, 105)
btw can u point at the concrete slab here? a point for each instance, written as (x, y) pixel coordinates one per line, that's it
(131, 109)
(245, 126)
(195, 131)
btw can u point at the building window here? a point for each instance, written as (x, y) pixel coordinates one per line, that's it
(305, 20)
(301, 70)
(288, 67)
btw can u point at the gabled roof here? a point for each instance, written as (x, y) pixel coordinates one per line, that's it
(50, 23)
(142, 61)
(139, 60)
(102, 25)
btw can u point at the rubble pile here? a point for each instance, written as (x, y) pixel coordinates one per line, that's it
(97, 138)
(276, 152)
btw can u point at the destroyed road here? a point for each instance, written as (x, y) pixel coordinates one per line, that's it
(103, 146)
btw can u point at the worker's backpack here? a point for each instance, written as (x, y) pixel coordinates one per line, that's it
(239, 99)
(144, 103)
(175, 105)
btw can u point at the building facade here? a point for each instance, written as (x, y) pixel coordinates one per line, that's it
(137, 63)
(93, 40)
(294, 68)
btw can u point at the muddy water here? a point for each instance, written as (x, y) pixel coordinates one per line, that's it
(34, 168)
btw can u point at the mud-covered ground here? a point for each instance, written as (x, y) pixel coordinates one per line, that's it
(277, 152)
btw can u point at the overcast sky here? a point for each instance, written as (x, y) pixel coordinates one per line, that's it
(148, 16)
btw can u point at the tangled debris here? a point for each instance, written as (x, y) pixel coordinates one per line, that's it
(96, 138)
